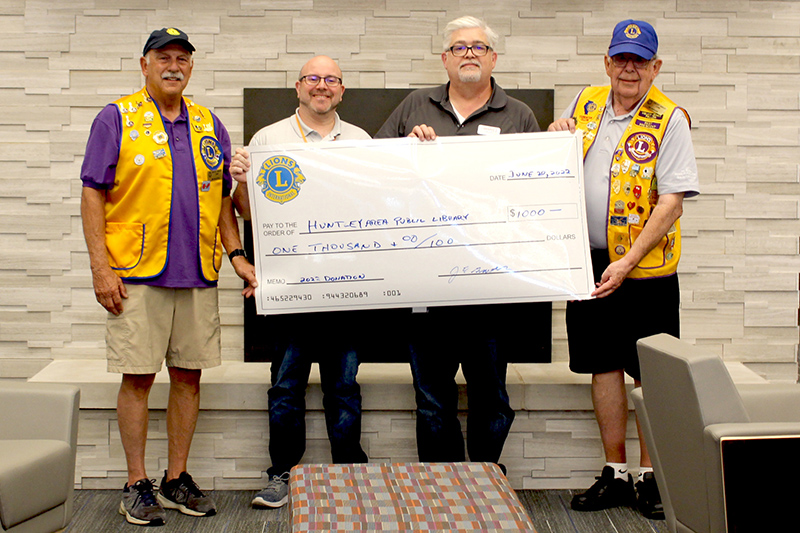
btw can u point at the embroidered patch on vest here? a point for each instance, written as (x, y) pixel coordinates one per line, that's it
(650, 115)
(648, 124)
(641, 147)
(211, 152)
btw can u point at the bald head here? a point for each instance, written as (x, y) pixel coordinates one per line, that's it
(319, 89)
(321, 66)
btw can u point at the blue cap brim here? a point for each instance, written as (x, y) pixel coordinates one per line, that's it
(631, 48)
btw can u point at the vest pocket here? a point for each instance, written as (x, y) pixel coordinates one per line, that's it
(124, 243)
(656, 258)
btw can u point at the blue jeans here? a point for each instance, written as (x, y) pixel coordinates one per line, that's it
(338, 366)
(442, 339)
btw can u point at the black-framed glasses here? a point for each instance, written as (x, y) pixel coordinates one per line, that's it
(313, 80)
(460, 50)
(620, 60)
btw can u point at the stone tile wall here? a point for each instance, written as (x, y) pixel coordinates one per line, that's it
(554, 441)
(545, 449)
(734, 64)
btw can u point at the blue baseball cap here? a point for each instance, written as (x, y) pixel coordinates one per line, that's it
(164, 36)
(634, 37)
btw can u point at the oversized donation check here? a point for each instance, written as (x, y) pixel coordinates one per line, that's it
(403, 223)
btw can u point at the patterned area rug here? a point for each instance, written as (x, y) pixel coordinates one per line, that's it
(404, 497)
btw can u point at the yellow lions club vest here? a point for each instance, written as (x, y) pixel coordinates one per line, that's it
(633, 183)
(138, 206)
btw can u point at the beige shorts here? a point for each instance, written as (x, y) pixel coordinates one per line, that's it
(158, 323)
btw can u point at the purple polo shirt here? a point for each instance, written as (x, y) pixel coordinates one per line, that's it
(99, 170)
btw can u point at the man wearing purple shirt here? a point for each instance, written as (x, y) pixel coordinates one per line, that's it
(156, 212)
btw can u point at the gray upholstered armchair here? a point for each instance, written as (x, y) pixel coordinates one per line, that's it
(723, 456)
(38, 443)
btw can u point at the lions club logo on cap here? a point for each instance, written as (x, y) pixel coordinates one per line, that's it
(280, 178)
(632, 31)
(173, 31)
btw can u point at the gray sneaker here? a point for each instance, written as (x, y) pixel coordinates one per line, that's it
(276, 494)
(139, 504)
(183, 494)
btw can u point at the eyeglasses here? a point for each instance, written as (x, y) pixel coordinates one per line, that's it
(621, 61)
(460, 50)
(313, 80)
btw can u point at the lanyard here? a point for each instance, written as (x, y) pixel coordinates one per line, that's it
(300, 128)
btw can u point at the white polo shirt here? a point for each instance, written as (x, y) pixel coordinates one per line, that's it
(292, 129)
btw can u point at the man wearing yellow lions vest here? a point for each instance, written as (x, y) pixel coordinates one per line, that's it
(639, 165)
(156, 212)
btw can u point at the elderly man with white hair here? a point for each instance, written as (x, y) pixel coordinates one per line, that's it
(639, 165)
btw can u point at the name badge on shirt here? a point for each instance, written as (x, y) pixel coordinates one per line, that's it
(483, 129)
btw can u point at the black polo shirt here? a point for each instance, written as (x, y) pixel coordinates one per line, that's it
(432, 107)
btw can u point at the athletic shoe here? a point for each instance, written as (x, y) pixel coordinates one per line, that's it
(648, 499)
(607, 492)
(139, 504)
(276, 494)
(184, 495)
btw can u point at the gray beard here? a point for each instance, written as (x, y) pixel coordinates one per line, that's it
(469, 77)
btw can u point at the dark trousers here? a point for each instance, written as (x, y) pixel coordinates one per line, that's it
(338, 366)
(441, 340)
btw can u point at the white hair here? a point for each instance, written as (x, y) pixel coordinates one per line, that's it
(463, 23)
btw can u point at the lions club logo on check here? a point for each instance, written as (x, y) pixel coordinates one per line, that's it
(280, 178)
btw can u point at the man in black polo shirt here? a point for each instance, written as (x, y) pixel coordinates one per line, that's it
(471, 103)
(478, 337)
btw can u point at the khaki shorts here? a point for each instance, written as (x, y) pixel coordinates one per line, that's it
(158, 323)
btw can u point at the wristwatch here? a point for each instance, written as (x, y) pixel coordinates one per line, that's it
(236, 253)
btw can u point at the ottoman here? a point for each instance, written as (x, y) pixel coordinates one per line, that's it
(404, 497)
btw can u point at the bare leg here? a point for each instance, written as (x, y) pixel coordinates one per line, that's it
(645, 454)
(611, 410)
(182, 410)
(132, 417)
